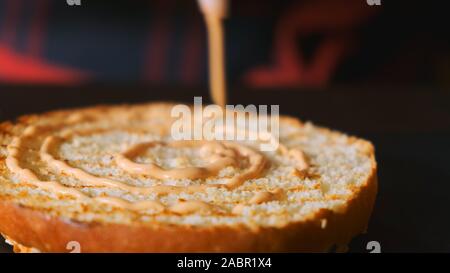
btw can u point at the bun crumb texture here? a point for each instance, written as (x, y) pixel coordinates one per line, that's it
(113, 179)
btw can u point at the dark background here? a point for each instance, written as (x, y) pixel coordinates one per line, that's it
(149, 41)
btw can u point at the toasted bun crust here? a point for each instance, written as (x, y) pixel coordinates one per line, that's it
(50, 234)
(33, 227)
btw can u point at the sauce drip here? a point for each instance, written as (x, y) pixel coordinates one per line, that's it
(214, 12)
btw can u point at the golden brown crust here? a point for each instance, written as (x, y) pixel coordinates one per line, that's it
(321, 231)
(50, 234)
(18, 248)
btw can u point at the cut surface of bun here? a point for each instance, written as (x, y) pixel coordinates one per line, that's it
(112, 179)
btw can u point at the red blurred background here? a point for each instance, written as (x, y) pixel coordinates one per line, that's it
(286, 43)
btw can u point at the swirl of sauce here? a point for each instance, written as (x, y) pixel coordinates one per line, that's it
(219, 154)
(261, 197)
(267, 196)
(216, 153)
